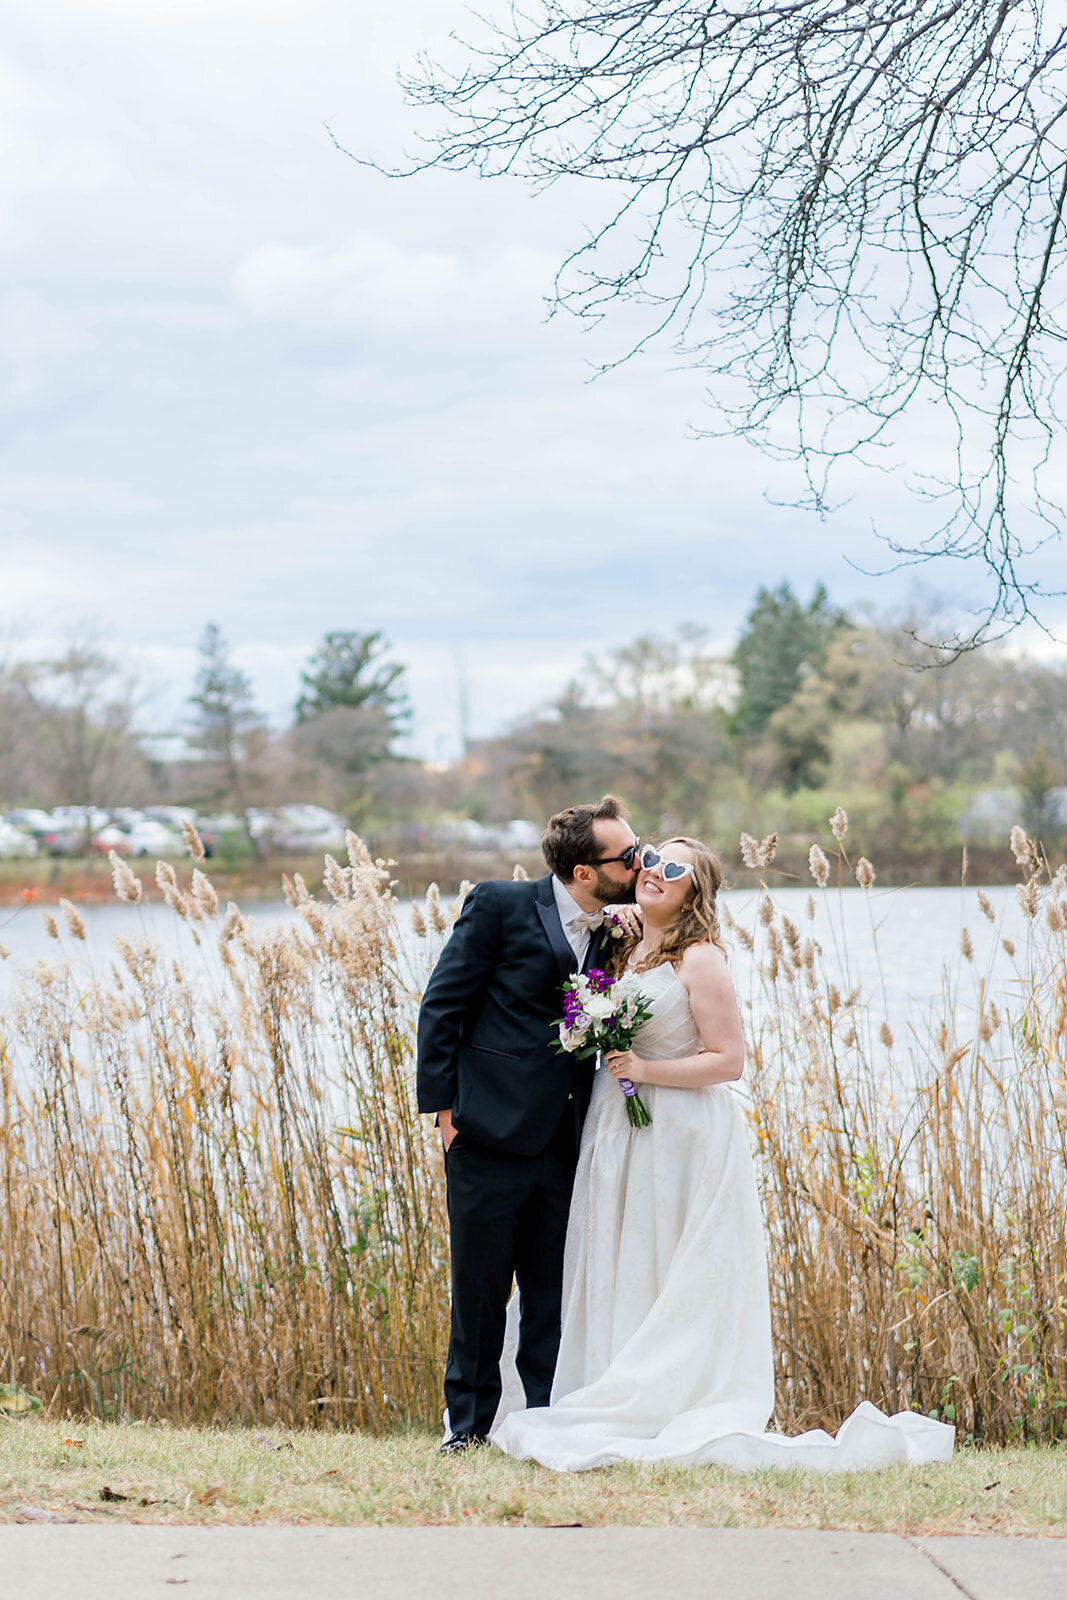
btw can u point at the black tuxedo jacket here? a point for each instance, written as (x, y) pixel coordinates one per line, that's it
(488, 1042)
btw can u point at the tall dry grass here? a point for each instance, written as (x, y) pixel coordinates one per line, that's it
(915, 1189)
(219, 1204)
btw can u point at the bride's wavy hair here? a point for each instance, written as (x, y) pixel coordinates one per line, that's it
(698, 919)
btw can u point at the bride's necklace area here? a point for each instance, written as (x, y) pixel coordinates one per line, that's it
(639, 953)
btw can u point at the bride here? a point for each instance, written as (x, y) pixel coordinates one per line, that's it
(665, 1352)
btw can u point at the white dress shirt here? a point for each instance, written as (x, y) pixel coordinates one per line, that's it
(577, 937)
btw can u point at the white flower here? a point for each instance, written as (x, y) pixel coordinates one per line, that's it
(600, 1006)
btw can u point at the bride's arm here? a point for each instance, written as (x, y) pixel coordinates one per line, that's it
(713, 1003)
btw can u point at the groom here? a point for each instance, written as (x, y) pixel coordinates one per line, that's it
(510, 1107)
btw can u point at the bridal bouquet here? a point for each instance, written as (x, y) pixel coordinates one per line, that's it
(602, 1013)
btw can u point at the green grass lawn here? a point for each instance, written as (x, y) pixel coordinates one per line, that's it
(98, 1472)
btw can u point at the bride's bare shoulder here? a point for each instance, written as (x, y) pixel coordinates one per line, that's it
(703, 964)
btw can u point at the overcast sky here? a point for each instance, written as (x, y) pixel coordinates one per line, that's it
(250, 381)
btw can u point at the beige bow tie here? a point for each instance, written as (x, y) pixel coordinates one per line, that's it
(587, 921)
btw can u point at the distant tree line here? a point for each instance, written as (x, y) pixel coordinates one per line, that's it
(73, 731)
(813, 705)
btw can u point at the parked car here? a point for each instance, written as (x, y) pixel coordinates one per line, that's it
(462, 833)
(142, 837)
(16, 845)
(31, 820)
(172, 816)
(215, 831)
(84, 818)
(301, 830)
(518, 834)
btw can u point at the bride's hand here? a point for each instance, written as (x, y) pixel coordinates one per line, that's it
(626, 917)
(624, 1064)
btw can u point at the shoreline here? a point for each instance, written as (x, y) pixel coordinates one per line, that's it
(45, 881)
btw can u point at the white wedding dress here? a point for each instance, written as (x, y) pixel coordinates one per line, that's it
(665, 1352)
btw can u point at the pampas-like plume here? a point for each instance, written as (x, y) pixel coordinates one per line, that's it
(127, 884)
(359, 856)
(73, 918)
(167, 879)
(418, 921)
(434, 915)
(865, 874)
(749, 851)
(457, 905)
(987, 906)
(193, 842)
(966, 945)
(767, 848)
(818, 866)
(335, 878)
(839, 823)
(51, 926)
(203, 892)
(1028, 897)
(519, 873)
(885, 1033)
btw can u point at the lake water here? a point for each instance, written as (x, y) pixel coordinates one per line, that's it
(902, 945)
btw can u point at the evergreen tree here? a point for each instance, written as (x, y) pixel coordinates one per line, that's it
(783, 640)
(348, 672)
(226, 721)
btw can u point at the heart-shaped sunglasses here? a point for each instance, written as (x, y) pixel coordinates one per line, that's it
(670, 870)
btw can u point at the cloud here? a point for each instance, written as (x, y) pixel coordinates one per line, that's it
(368, 278)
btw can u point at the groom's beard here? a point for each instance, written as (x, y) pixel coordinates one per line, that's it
(610, 893)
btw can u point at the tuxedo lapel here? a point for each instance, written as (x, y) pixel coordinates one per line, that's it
(548, 912)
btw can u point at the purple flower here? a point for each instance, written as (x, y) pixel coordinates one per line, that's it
(572, 1006)
(598, 981)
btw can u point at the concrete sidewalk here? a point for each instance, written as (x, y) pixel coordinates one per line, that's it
(272, 1563)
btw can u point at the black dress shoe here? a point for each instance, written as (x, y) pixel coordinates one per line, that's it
(459, 1442)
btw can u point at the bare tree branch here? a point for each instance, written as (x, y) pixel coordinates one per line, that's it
(850, 213)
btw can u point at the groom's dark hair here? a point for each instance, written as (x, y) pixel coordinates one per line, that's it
(569, 838)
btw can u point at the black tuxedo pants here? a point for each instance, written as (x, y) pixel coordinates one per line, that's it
(507, 1218)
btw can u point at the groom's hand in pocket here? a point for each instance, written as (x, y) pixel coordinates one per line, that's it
(448, 1132)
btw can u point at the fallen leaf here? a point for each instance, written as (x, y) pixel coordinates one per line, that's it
(213, 1492)
(110, 1494)
(994, 1485)
(74, 1444)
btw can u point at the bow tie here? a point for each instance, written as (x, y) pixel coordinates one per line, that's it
(586, 921)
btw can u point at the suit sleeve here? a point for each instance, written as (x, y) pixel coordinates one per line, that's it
(463, 969)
